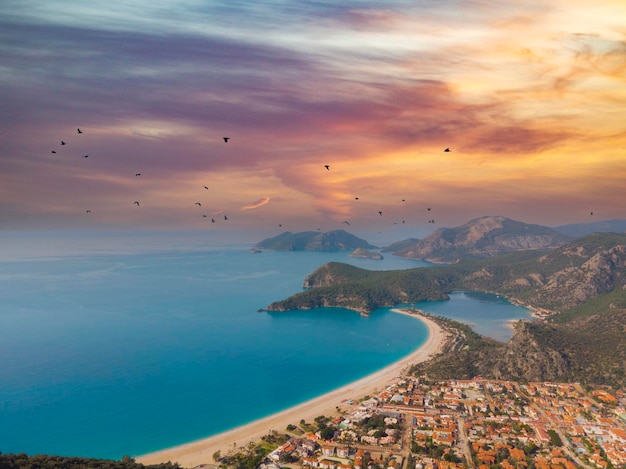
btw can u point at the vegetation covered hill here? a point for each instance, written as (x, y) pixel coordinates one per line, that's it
(582, 285)
(590, 349)
(337, 240)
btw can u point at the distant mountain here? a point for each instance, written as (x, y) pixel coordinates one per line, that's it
(337, 240)
(578, 230)
(480, 238)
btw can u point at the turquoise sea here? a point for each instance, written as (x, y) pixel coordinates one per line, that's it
(131, 350)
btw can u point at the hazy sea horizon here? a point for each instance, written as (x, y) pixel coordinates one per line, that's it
(107, 351)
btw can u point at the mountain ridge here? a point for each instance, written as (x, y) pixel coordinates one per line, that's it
(481, 237)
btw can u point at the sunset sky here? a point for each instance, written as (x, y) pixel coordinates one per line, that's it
(530, 99)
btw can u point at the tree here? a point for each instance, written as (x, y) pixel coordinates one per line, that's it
(327, 433)
(555, 439)
(217, 455)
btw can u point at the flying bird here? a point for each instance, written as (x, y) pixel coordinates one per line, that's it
(79, 131)
(62, 142)
(226, 139)
(447, 150)
(327, 167)
(591, 213)
(428, 208)
(136, 203)
(137, 174)
(53, 152)
(380, 213)
(212, 220)
(85, 156)
(356, 198)
(206, 187)
(225, 217)
(87, 211)
(347, 223)
(198, 204)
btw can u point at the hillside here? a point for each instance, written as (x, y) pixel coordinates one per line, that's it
(481, 238)
(590, 350)
(337, 240)
(582, 284)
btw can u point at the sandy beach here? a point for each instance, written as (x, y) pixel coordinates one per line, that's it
(201, 452)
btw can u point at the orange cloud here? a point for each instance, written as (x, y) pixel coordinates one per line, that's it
(256, 204)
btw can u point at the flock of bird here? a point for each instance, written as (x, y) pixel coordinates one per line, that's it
(136, 202)
(225, 217)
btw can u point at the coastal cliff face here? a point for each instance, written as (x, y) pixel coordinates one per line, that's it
(480, 238)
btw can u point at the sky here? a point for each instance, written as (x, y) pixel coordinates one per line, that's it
(528, 96)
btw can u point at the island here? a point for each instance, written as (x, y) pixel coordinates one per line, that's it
(336, 240)
(365, 254)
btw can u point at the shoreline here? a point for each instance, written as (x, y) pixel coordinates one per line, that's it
(201, 451)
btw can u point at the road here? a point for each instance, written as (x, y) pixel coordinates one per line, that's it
(463, 441)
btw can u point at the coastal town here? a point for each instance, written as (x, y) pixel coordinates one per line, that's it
(423, 424)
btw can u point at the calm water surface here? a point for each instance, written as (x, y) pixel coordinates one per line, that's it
(116, 354)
